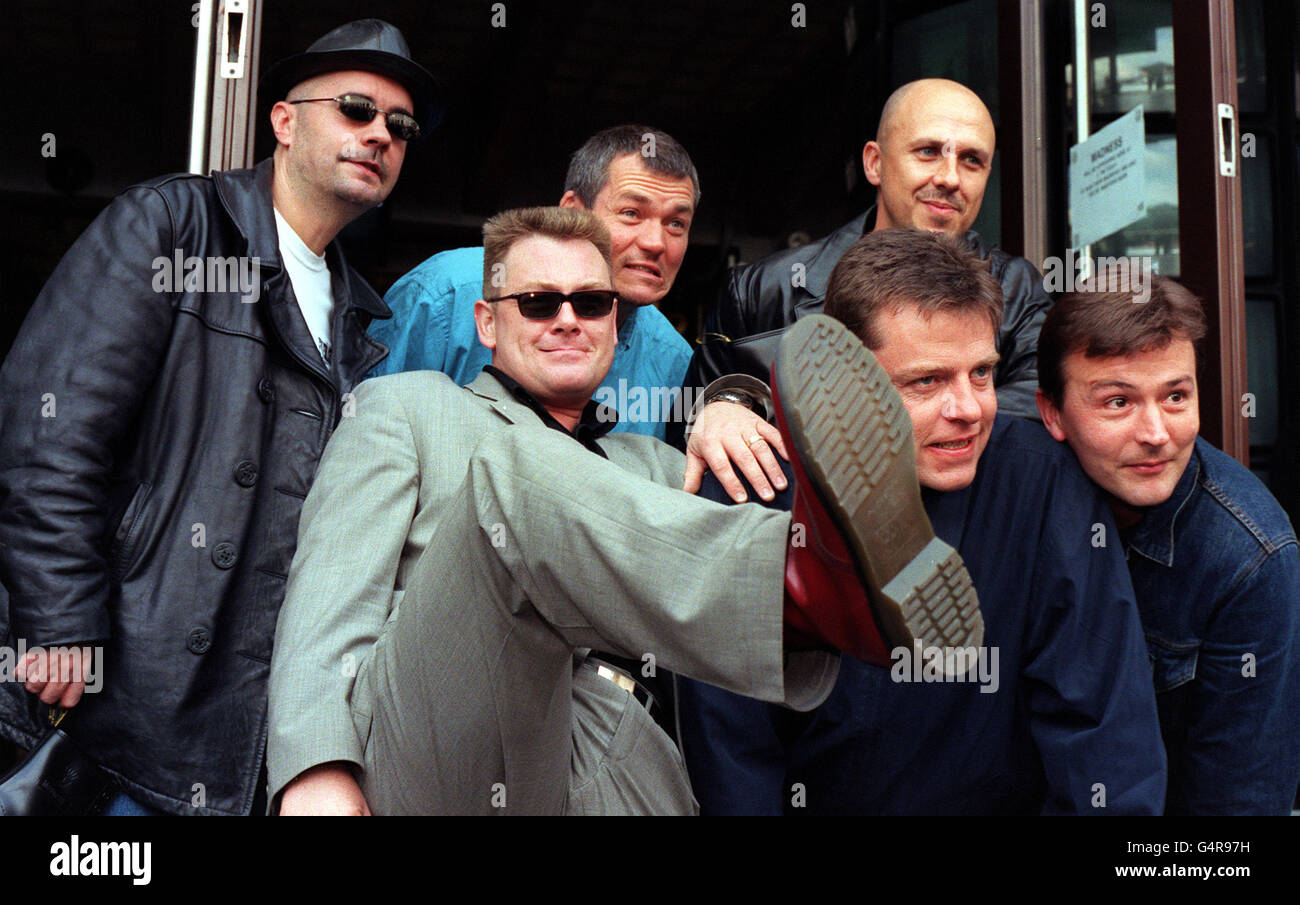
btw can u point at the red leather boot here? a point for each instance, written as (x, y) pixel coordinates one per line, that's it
(864, 571)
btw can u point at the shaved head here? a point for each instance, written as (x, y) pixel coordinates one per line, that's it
(931, 157)
(928, 93)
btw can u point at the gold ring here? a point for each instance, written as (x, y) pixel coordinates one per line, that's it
(757, 438)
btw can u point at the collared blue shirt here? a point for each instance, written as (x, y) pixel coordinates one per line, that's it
(432, 328)
(1064, 723)
(1216, 571)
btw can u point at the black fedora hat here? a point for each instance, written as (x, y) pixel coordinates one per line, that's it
(371, 45)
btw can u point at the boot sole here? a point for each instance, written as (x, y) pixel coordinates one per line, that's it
(857, 448)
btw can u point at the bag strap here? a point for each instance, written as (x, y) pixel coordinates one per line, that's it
(56, 715)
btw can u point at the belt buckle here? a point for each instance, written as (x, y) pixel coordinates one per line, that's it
(627, 683)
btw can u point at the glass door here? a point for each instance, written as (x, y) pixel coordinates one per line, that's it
(1155, 79)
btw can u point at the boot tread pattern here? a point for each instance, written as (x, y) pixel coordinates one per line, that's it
(859, 436)
(944, 610)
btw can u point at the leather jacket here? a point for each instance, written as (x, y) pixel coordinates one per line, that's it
(758, 301)
(157, 439)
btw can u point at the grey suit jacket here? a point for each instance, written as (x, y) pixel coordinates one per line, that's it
(374, 507)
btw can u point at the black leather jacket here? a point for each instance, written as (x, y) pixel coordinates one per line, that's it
(758, 301)
(156, 445)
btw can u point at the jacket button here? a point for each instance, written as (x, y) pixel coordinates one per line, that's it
(266, 390)
(224, 555)
(199, 641)
(245, 474)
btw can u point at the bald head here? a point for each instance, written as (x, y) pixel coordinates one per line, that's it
(915, 98)
(931, 156)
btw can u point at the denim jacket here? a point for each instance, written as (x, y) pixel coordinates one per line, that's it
(1216, 571)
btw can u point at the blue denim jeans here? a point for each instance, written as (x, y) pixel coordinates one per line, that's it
(126, 806)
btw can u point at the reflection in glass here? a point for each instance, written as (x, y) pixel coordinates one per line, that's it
(1252, 63)
(1132, 58)
(1155, 236)
(1261, 369)
(1257, 208)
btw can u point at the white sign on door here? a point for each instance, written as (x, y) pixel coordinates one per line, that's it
(1108, 180)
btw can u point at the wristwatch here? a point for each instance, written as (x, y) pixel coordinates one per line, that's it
(739, 397)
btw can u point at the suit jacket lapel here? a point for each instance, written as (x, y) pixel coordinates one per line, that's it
(501, 400)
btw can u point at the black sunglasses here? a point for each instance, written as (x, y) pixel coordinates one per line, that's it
(545, 304)
(362, 109)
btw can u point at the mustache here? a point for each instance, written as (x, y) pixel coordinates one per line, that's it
(360, 155)
(355, 151)
(949, 198)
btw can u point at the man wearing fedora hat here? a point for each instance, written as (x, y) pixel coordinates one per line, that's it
(162, 412)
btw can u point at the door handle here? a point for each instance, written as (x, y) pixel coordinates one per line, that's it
(1227, 140)
(234, 39)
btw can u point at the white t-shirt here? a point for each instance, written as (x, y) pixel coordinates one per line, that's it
(310, 276)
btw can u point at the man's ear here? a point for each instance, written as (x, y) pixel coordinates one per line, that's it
(282, 115)
(571, 199)
(871, 161)
(486, 323)
(1051, 416)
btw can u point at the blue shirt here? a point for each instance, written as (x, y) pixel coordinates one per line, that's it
(1217, 576)
(432, 328)
(1062, 721)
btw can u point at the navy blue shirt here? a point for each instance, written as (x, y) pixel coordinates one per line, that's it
(1217, 576)
(1059, 716)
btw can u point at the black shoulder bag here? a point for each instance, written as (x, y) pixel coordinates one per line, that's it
(56, 778)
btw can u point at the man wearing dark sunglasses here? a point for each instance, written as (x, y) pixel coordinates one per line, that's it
(463, 549)
(359, 108)
(645, 188)
(195, 347)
